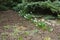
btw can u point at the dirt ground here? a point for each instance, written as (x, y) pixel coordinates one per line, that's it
(15, 27)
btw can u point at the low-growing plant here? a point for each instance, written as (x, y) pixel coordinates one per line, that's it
(20, 38)
(28, 16)
(42, 25)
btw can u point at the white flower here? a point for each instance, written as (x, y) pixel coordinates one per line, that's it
(42, 20)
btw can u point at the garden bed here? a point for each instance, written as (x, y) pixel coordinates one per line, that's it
(15, 27)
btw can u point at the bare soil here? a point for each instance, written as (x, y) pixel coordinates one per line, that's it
(12, 26)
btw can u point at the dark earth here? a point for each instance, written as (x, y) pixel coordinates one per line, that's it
(15, 27)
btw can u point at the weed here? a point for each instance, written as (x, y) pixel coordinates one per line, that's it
(20, 38)
(28, 16)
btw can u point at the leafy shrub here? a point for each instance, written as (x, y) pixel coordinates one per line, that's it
(28, 16)
(25, 9)
(19, 7)
(39, 7)
(37, 0)
(9, 3)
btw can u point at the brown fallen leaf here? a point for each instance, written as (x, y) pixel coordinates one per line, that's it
(21, 28)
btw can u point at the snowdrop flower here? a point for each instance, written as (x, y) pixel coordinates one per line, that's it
(42, 20)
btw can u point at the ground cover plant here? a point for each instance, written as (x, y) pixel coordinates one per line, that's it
(30, 20)
(27, 10)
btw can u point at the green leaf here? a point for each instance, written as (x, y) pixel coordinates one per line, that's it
(28, 16)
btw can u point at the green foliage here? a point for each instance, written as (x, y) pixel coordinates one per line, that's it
(31, 7)
(20, 38)
(26, 8)
(19, 7)
(8, 3)
(43, 5)
(42, 25)
(58, 16)
(28, 16)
